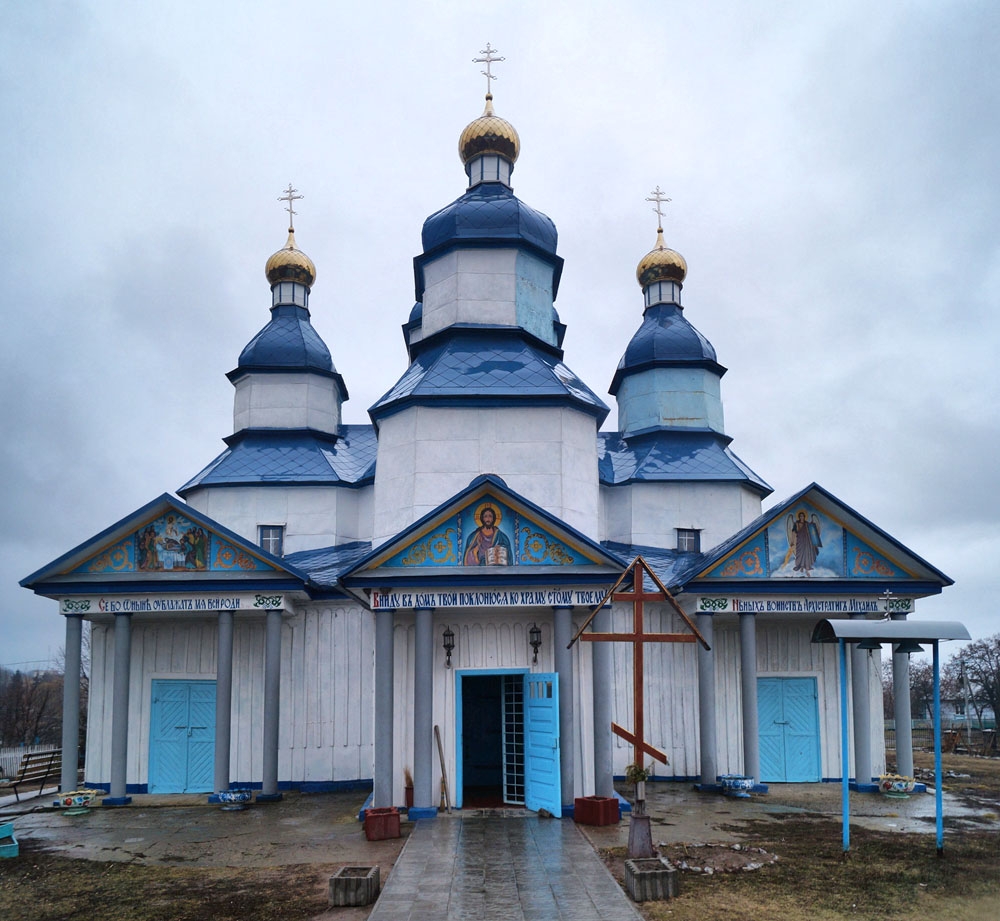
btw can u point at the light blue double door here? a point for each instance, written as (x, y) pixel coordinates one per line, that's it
(788, 717)
(182, 737)
(507, 734)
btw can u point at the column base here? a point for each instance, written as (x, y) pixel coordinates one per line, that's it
(862, 787)
(269, 797)
(116, 801)
(421, 812)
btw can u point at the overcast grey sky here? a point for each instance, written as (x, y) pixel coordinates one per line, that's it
(833, 170)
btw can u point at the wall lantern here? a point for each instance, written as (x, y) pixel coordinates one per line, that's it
(449, 645)
(534, 641)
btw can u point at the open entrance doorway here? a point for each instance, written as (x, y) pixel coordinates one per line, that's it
(491, 769)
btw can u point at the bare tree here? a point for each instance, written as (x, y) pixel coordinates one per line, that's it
(981, 661)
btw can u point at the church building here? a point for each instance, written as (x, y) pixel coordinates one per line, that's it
(329, 604)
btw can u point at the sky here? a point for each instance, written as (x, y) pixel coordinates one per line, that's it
(835, 191)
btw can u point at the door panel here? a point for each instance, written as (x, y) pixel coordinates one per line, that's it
(788, 714)
(182, 737)
(542, 786)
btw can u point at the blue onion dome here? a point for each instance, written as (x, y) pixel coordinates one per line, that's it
(661, 264)
(417, 313)
(490, 213)
(666, 335)
(290, 264)
(489, 134)
(288, 342)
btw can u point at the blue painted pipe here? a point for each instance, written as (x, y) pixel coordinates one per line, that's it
(844, 758)
(938, 796)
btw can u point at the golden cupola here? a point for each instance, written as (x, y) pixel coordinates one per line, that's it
(489, 134)
(661, 264)
(290, 264)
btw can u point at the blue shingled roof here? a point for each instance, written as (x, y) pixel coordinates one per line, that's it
(667, 564)
(488, 363)
(665, 339)
(489, 211)
(671, 454)
(288, 342)
(326, 565)
(293, 457)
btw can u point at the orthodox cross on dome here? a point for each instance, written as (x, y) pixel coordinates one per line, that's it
(290, 196)
(637, 594)
(660, 199)
(489, 56)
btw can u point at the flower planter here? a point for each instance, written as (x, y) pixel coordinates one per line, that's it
(650, 879)
(381, 823)
(737, 785)
(896, 785)
(76, 802)
(354, 886)
(234, 800)
(596, 810)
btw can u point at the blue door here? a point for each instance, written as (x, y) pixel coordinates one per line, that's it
(542, 786)
(182, 737)
(788, 714)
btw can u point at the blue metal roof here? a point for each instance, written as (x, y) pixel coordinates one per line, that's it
(287, 343)
(292, 457)
(665, 338)
(488, 364)
(326, 565)
(489, 212)
(671, 454)
(667, 564)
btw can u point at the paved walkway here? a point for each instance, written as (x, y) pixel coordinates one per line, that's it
(500, 869)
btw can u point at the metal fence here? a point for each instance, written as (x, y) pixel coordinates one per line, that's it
(955, 737)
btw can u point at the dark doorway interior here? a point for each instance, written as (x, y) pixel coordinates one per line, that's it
(482, 741)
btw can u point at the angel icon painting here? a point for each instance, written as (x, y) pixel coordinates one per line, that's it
(803, 540)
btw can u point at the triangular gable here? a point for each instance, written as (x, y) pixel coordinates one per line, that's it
(487, 527)
(814, 537)
(163, 539)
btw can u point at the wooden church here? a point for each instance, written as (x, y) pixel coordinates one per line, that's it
(326, 601)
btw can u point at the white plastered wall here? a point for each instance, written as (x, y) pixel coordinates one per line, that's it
(428, 454)
(286, 401)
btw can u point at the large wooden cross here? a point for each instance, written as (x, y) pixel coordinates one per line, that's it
(638, 595)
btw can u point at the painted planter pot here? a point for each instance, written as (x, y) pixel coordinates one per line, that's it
(233, 800)
(738, 785)
(896, 785)
(76, 802)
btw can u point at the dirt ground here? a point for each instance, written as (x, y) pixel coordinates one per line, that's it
(787, 863)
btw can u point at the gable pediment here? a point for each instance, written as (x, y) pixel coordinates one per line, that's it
(815, 539)
(165, 541)
(487, 528)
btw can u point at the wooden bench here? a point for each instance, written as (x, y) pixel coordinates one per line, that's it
(36, 767)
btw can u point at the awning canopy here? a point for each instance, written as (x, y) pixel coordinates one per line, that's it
(888, 631)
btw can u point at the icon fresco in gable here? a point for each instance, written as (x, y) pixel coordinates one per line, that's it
(487, 533)
(805, 543)
(172, 543)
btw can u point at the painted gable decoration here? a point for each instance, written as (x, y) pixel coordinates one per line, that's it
(486, 532)
(172, 543)
(805, 543)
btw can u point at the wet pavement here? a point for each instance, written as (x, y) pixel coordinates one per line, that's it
(476, 864)
(494, 867)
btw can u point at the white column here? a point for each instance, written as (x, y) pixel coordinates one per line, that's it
(423, 711)
(748, 687)
(272, 691)
(119, 712)
(562, 634)
(382, 769)
(706, 702)
(901, 709)
(862, 714)
(602, 659)
(223, 700)
(71, 703)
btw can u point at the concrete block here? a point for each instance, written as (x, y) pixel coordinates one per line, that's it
(354, 886)
(650, 879)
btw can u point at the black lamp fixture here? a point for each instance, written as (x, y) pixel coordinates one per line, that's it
(449, 645)
(534, 641)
